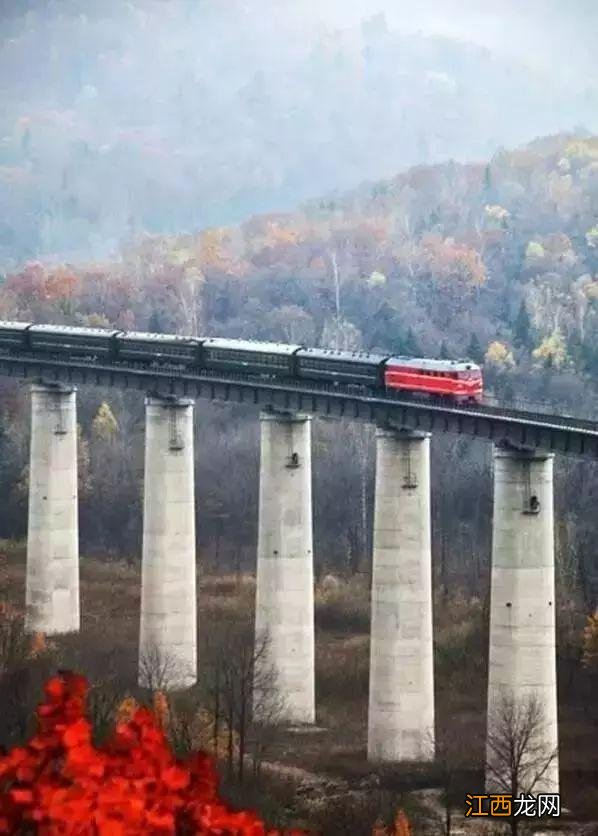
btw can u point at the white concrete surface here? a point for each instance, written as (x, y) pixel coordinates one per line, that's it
(285, 581)
(522, 656)
(401, 702)
(168, 629)
(52, 575)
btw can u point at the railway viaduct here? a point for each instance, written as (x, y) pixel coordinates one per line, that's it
(522, 657)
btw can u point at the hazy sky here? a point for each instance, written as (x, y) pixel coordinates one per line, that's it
(550, 33)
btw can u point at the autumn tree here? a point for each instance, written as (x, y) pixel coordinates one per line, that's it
(552, 351)
(590, 642)
(498, 355)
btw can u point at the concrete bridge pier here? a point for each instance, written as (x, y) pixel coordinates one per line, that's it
(284, 593)
(168, 628)
(52, 575)
(522, 657)
(401, 702)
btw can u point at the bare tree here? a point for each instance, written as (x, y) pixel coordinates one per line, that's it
(243, 692)
(25, 661)
(160, 670)
(268, 704)
(102, 705)
(518, 757)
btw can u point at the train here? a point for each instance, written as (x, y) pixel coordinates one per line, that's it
(460, 381)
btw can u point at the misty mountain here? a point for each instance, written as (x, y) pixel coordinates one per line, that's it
(119, 119)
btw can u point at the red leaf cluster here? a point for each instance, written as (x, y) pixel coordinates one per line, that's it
(60, 783)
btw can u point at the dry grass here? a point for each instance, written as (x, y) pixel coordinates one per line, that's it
(344, 607)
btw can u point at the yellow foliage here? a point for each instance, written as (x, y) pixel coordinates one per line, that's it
(180, 255)
(126, 710)
(203, 736)
(590, 642)
(552, 350)
(592, 237)
(216, 252)
(499, 355)
(96, 320)
(534, 251)
(376, 279)
(104, 425)
(583, 149)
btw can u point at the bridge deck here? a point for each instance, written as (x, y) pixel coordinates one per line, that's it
(553, 433)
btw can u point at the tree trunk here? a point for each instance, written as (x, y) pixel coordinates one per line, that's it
(231, 732)
(216, 734)
(242, 720)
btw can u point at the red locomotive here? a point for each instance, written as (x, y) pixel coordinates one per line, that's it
(458, 380)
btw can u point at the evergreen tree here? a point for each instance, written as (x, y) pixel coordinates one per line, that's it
(522, 328)
(412, 348)
(487, 182)
(444, 352)
(154, 326)
(474, 349)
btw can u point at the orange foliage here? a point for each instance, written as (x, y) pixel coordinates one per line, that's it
(399, 827)
(38, 644)
(161, 709)
(447, 259)
(590, 642)
(33, 283)
(59, 783)
(401, 824)
(216, 253)
(61, 284)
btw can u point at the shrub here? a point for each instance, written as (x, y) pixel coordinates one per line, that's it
(344, 608)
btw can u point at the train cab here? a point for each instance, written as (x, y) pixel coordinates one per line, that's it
(460, 380)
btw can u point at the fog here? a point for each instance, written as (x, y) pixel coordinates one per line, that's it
(124, 118)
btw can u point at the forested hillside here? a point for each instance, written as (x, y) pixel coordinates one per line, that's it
(443, 260)
(495, 261)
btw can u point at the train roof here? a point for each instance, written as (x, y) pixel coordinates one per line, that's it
(250, 345)
(146, 336)
(429, 364)
(6, 325)
(346, 356)
(74, 330)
